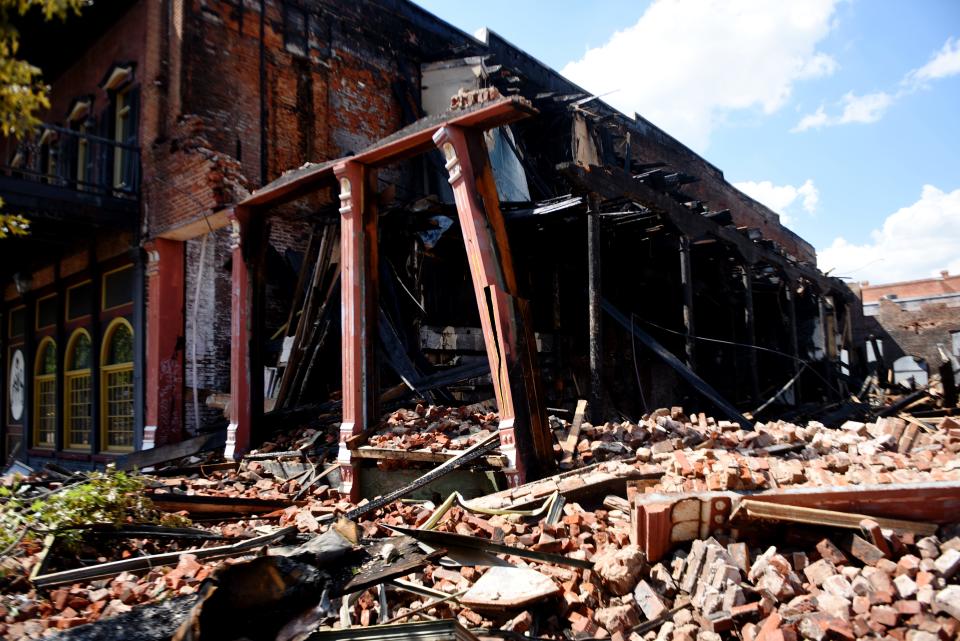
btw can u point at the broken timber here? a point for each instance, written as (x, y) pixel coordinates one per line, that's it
(157, 455)
(812, 516)
(659, 521)
(569, 445)
(451, 541)
(199, 506)
(463, 458)
(114, 568)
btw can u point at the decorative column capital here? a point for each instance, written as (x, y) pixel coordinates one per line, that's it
(450, 142)
(153, 258)
(238, 218)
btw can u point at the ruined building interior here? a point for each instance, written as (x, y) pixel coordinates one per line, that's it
(614, 228)
(333, 301)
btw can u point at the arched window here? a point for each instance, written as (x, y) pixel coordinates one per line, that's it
(116, 387)
(76, 382)
(45, 394)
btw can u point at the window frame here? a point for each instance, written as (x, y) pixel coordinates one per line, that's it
(103, 289)
(71, 376)
(66, 308)
(9, 317)
(122, 113)
(36, 313)
(106, 370)
(45, 343)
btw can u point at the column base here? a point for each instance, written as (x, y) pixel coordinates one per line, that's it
(514, 472)
(349, 483)
(231, 447)
(149, 437)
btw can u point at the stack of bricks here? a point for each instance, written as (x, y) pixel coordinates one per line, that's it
(434, 428)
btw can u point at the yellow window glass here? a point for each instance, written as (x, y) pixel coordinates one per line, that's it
(45, 394)
(78, 414)
(116, 371)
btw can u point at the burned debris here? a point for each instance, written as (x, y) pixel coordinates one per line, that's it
(700, 529)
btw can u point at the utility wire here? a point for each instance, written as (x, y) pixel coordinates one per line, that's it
(796, 359)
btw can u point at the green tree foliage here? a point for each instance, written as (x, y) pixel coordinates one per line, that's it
(22, 91)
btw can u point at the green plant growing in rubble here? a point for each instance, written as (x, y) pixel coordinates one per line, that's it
(22, 91)
(112, 498)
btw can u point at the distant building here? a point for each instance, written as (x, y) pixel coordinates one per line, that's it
(916, 323)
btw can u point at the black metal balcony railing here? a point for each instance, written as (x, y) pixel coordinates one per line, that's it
(70, 159)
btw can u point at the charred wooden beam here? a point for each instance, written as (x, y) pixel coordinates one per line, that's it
(594, 295)
(686, 280)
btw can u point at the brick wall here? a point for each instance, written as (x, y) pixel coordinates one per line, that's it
(916, 333)
(212, 316)
(946, 284)
(123, 42)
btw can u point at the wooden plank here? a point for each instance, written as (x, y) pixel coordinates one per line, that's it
(409, 141)
(206, 506)
(383, 453)
(569, 446)
(828, 518)
(134, 564)
(452, 541)
(157, 455)
(202, 470)
(934, 502)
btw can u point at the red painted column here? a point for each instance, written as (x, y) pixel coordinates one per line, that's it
(164, 344)
(358, 296)
(241, 411)
(505, 319)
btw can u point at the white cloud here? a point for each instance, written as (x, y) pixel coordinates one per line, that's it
(916, 241)
(872, 106)
(856, 109)
(687, 63)
(817, 119)
(783, 199)
(865, 109)
(944, 63)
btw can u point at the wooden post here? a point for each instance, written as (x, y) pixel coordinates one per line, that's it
(686, 280)
(239, 431)
(594, 294)
(164, 353)
(525, 437)
(749, 324)
(358, 291)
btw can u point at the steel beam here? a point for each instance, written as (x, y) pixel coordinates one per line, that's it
(358, 292)
(164, 358)
(505, 319)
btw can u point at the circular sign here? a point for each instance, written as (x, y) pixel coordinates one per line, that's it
(16, 385)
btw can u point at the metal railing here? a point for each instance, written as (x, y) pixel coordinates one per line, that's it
(75, 160)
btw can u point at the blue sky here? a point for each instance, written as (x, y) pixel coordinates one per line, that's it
(842, 115)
